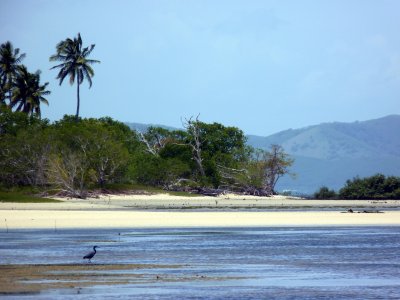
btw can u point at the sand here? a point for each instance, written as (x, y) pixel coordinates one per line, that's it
(165, 201)
(152, 211)
(18, 279)
(58, 219)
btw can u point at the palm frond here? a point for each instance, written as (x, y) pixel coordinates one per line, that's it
(86, 52)
(58, 57)
(92, 61)
(44, 86)
(89, 70)
(43, 100)
(72, 77)
(81, 76)
(60, 66)
(20, 58)
(88, 76)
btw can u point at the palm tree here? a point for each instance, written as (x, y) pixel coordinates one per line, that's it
(27, 93)
(10, 59)
(75, 63)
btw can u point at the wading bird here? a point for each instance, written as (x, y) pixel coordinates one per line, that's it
(90, 255)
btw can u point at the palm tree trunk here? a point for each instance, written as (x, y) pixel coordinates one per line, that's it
(78, 101)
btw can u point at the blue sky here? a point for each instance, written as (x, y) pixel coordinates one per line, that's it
(263, 66)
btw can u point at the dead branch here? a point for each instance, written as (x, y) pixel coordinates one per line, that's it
(193, 129)
(150, 149)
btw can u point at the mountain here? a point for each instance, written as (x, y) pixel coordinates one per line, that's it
(330, 153)
(143, 127)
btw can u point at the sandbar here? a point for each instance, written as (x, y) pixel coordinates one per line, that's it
(158, 211)
(58, 219)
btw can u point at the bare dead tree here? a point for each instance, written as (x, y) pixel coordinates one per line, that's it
(178, 184)
(260, 174)
(232, 176)
(277, 165)
(246, 180)
(67, 172)
(40, 158)
(195, 141)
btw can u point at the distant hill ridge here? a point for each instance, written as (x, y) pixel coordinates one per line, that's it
(330, 153)
(378, 137)
(143, 127)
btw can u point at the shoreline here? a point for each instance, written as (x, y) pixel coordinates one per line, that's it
(166, 211)
(109, 202)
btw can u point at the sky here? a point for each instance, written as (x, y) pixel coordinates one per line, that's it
(263, 66)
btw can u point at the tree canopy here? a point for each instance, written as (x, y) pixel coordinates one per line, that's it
(75, 157)
(376, 187)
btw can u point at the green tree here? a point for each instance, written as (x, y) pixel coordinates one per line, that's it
(166, 173)
(377, 186)
(93, 152)
(164, 159)
(75, 64)
(24, 155)
(325, 193)
(10, 59)
(13, 122)
(214, 146)
(28, 93)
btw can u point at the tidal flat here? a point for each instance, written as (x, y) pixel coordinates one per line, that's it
(202, 263)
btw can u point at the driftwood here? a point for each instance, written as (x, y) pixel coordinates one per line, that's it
(71, 194)
(364, 211)
(210, 192)
(215, 192)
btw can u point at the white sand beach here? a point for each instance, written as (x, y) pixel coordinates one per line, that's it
(57, 219)
(130, 211)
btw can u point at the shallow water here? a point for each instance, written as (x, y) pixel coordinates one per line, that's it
(224, 263)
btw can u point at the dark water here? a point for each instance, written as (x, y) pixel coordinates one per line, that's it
(239, 263)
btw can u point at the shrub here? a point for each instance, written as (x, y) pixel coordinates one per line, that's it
(373, 187)
(325, 193)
